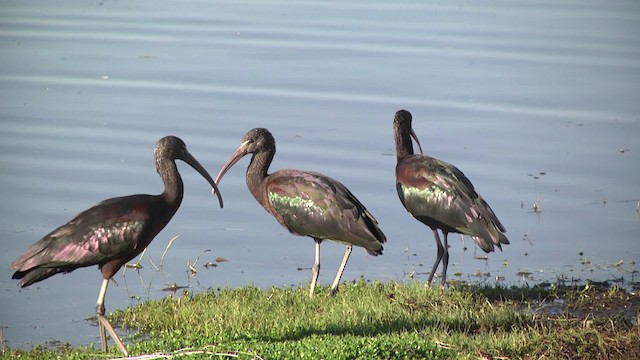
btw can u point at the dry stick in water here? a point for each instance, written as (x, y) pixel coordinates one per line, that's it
(136, 265)
(192, 267)
(167, 249)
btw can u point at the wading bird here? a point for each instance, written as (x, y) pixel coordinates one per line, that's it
(441, 197)
(112, 232)
(307, 203)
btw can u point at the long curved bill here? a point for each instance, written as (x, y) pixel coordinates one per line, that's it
(189, 159)
(413, 135)
(235, 157)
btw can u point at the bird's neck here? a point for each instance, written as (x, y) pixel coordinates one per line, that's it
(404, 146)
(173, 186)
(257, 176)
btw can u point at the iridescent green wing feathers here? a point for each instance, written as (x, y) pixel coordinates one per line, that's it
(436, 192)
(315, 205)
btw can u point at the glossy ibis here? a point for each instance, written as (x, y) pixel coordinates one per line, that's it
(441, 197)
(112, 232)
(307, 203)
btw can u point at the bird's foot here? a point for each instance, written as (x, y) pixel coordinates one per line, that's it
(103, 323)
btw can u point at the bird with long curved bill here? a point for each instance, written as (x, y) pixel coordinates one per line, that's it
(112, 232)
(307, 203)
(440, 196)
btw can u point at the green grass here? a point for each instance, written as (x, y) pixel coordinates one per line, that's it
(369, 321)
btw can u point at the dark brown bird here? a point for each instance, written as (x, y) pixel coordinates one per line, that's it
(307, 203)
(112, 232)
(441, 197)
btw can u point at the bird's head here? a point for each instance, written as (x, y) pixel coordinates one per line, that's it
(403, 130)
(173, 148)
(258, 140)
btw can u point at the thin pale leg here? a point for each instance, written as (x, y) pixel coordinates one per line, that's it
(100, 310)
(315, 270)
(336, 282)
(103, 323)
(439, 257)
(445, 259)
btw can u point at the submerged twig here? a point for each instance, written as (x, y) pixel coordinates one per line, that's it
(174, 287)
(167, 249)
(192, 267)
(136, 265)
(153, 264)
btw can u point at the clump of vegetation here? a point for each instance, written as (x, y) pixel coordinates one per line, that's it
(374, 320)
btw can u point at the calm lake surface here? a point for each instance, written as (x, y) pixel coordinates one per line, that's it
(538, 103)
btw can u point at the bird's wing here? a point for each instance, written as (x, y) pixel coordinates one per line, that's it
(428, 184)
(105, 231)
(316, 205)
(434, 189)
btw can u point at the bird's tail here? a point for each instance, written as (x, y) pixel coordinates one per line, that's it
(487, 230)
(375, 252)
(502, 239)
(484, 244)
(490, 238)
(373, 246)
(372, 225)
(34, 275)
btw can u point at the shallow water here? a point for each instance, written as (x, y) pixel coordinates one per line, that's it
(535, 103)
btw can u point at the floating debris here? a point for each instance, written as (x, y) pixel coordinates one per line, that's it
(209, 264)
(619, 263)
(482, 274)
(525, 275)
(137, 265)
(191, 268)
(174, 287)
(536, 206)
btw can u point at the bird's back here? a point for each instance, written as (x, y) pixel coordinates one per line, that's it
(440, 195)
(316, 205)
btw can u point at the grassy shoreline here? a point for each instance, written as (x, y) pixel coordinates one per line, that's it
(378, 321)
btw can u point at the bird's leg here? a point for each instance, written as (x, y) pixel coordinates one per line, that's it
(336, 282)
(315, 270)
(439, 257)
(445, 259)
(103, 323)
(100, 310)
